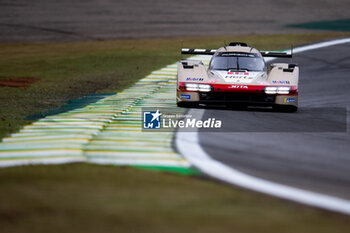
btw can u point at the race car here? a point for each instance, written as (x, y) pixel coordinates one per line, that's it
(237, 74)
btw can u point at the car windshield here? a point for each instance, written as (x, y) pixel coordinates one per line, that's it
(237, 61)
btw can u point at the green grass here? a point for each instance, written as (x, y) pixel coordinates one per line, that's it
(71, 70)
(92, 198)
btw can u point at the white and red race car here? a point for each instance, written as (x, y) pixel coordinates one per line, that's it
(236, 75)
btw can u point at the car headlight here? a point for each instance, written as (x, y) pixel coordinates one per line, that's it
(277, 90)
(198, 87)
(191, 87)
(204, 87)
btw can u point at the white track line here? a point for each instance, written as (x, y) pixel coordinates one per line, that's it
(187, 144)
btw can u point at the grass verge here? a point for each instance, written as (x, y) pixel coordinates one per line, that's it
(66, 71)
(92, 198)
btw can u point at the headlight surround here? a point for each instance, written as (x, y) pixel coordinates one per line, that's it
(198, 87)
(277, 90)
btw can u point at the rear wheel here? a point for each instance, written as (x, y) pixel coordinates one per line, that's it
(285, 108)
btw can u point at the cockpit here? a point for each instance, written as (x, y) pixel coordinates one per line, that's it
(237, 61)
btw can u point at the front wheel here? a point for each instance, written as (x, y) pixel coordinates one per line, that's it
(285, 108)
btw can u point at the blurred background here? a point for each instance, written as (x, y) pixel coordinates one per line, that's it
(66, 20)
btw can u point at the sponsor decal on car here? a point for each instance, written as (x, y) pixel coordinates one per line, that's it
(194, 79)
(186, 97)
(289, 100)
(245, 73)
(237, 77)
(239, 86)
(280, 82)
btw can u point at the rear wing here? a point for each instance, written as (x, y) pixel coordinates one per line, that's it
(198, 51)
(276, 54)
(212, 51)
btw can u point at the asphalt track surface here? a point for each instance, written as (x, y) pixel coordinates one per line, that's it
(309, 149)
(67, 20)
